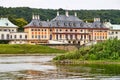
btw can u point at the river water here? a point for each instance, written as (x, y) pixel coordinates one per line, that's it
(41, 68)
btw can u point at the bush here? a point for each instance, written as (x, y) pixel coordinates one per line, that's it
(109, 49)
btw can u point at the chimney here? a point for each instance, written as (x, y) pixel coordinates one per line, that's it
(96, 19)
(58, 13)
(33, 17)
(67, 14)
(75, 14)
(38, 17)
(47, 20)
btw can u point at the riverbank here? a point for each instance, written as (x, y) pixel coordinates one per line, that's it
(17, 49)
(35, 54)
(107, 52)
(87, 62)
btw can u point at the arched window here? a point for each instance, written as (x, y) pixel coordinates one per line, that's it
(65, 24)
(7, 36)
(15, 36)
(25, 36)
(2, 36)
(20, 36)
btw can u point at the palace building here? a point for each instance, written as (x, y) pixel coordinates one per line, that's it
(8, 32)
(65, 29)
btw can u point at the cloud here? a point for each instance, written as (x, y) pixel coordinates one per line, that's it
(65, 4)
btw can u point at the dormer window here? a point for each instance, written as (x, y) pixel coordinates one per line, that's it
(6, 24)
(81, 24)
(34, 23)
(65, 24)
(74, 24)
(70, 24)
(40, 24)
(58, 24)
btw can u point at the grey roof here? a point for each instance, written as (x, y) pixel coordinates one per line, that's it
(97, 24)
(73, 22)
(66, 18)
(37, 23)
(65, 21)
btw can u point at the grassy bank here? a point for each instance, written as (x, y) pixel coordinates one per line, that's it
(27, 49)
(105, 51)
(87, 61)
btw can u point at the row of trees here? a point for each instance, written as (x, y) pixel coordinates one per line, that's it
(108, 50)
(24, 14)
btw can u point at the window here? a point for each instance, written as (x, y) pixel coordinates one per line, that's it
(81, 30)
(15, 36)
(7, 36)
(32, 29)
(56, 30)
(85, 36)
(112, 32)
(60, 36)
(57, 36)
(70, 29)
(70, 24)
(35, 29)
(45, 36)
(45, 29)
(75, 30)
(2, 36)
(75, 36)
(5, 29)
(60, 30)
(58, 24)
(66, 30)
(35, 36)
(50, 37)
(66, 36)
(39, 36)
(12, 30)
(11, 36)
(20, 36)
(81, 37)
(71, 37)
(38, 29)
(25, 36)
(116, 32)
(65, 24)
(50, 29)
(32, 36)
(74, 24)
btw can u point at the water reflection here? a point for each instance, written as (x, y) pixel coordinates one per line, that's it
(40, 68)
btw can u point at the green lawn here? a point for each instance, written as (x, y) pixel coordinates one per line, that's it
(27, 49)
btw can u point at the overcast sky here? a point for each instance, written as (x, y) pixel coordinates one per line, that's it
(65, 4)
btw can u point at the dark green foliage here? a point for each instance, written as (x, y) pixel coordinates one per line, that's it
(26, 13)
(108, 50)
(4, 41)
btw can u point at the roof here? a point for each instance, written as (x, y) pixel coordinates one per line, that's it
(116, 27)
(66, 18)
(112, 26)
(37, 23)
(73, 22)
(4, 22)
(69, 21)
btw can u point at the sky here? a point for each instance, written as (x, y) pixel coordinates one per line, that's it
(65, 4)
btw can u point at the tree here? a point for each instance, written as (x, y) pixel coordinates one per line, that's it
(20, 22)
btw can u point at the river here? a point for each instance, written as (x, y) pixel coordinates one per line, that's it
(41, 68)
